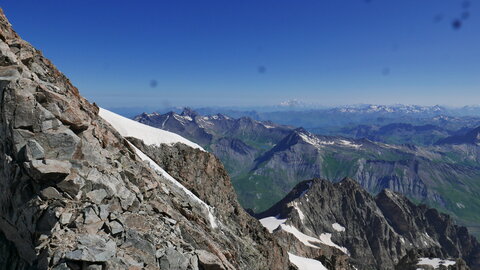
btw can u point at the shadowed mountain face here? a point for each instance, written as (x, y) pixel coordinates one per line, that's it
(381, 232)
(470, 137)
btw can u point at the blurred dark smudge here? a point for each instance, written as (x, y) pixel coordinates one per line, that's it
(456, 24)
(465, 15)
(262, 69)
(153, 83)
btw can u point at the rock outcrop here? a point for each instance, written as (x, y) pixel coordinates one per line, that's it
(75, 194)
(379, 232)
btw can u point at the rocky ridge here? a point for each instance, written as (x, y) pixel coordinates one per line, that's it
(382, 232)
(75, 194)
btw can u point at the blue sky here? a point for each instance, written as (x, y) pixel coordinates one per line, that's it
(250, 53)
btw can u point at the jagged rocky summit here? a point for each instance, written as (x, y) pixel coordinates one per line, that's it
(382, 232)
(77, 194)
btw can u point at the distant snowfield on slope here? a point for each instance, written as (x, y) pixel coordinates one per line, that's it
(435, 262)
(149, 135)
(337, 227)
(271, 223)
(299, 211)
(305, 263)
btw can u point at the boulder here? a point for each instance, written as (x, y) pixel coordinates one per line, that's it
(92, 248)
(172, 259)
(97, 196)
(208, 260)
(33, 151)
(48, 170)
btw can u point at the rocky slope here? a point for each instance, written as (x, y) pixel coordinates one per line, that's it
(76, 194)
(381, 232)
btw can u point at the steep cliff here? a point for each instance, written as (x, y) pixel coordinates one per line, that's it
(75, 194)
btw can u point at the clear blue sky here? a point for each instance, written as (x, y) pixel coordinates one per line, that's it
(243, 52)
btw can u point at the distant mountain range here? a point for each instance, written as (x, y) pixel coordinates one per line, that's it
(266, 160)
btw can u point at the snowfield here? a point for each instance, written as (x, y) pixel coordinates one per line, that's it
(149, 135)
(337, 227)
(272, 223)
(435, 262)
(305, 263)
(309, 241)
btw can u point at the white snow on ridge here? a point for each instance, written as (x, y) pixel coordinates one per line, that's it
(325, 238)
(311, 139)
(435, 262)
(272, 223)
(167, 176)
(305, 263)
(315, 141)
(305, 239)
(149, 135)
(350, 144)
(337, 227)
(299, 211)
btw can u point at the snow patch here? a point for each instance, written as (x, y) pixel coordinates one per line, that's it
(325, 238)
(435, 262)
(299, 211)
(167, 176)
(272, 223)
(183, 119)
(304, 263)
(350, 144)
(337, 227)
(313, 140)
(149, 135)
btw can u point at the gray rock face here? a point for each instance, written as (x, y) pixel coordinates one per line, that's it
(75, 195)
(33, 150)
(48, 170)
(92, 248)
(209, 261)
(173, 259)
(379, 232)
(203, 174)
